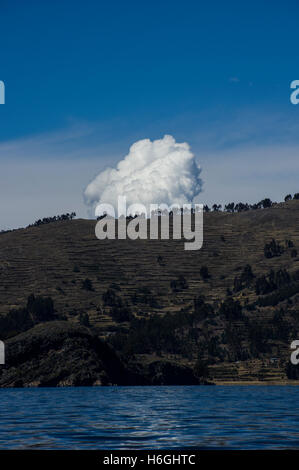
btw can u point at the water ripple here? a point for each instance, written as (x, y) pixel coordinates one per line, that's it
(149, 418)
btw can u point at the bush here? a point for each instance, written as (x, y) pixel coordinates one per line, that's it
(204, 272)
(274, 281)
(87, 285)
(41, 309)
(38, 309)
(231, 309)
(272, 249)
(245, 278)
(179, 284)
(201, 369)
(56, 218)
(84, 319)
(282, 294)
(292, 371)
(121, 314)
(16, 321)
(201, 309)
(144, 295)
(266, 203)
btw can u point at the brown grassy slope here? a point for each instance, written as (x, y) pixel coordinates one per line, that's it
(42, 260)
(54, 259)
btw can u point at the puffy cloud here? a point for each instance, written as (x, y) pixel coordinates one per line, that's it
(153, 172)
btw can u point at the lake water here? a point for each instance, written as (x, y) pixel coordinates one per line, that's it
(150, 418)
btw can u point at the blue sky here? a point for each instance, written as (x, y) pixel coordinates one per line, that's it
(84, 80)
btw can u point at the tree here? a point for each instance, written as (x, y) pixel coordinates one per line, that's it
(292, 371)
(230, 207)
(231, 309)
(55, 218)
(121, 314)
(160, 260)
(272, 249)
(204, 272)
(262, 286)
(245, 278)
(201, 369)
(41, 308)
(179, 284)
(241, 207)
(288, 198)
(84, 319)
(87, 284)
(266, 203)
(201, 309)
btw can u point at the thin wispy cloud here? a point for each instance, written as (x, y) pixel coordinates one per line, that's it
(234, 80)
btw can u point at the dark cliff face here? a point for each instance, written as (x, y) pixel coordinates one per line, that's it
(169, 373)
(61, 354)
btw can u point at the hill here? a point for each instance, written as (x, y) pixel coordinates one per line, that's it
(228, 311)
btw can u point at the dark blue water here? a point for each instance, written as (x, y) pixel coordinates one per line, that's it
(150, 418)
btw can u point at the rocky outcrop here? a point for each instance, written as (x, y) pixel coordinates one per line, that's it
(163, 372)
(60, 353)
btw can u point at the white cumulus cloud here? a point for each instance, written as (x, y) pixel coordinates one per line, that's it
(153, 172)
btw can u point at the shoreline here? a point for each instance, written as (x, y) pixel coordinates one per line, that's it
(220, 383)
(258, 382)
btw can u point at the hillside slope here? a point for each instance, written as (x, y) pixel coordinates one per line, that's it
(230, 321)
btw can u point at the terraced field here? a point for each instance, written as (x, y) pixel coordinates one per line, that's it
(55, 259)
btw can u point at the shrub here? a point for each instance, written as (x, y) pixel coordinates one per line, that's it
(204, 272)
(179, 284)
(49, 220)
(84, 319)
(245, 278)
(275, 281)
(201, 369)
(282, 294)
(292, 371)
(87, 285)
(231, 309)
(41, 309)
(272, 249)
(121, 314)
